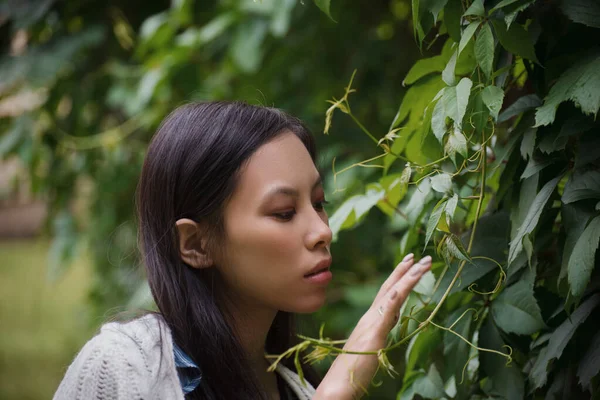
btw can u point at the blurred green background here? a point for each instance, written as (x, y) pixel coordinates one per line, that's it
(83, 86)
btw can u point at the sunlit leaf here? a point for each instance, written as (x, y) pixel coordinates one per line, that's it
(456, 99)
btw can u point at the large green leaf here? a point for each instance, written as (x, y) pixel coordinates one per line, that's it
(582, 185)
(515, 39)
(531, 219)
(418, 198)
(395, 186)
(581, 262)
(484, 50)
(448, 72)
(493, 97)
(430, 386)
(580, 84)
(585, 12)
(516, 310)
(559, 340)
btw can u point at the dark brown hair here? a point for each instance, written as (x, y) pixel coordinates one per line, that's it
(190, 171)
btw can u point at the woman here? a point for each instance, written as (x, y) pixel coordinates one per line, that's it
(235, 241)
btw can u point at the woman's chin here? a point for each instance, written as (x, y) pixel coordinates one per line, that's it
(309, 305)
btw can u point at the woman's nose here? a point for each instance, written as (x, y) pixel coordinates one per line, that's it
(320, 234)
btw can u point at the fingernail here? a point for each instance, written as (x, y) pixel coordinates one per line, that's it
(408, 257)
(425, 260)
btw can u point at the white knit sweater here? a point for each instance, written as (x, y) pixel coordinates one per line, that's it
(124, 362)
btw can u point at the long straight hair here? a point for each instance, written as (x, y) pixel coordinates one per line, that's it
(190, 171)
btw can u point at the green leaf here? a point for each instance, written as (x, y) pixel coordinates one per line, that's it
(581, 262)
(534, 166)
(515, 310)
(586, 12)
(434, 220)
(395, 186)
(476, 8)
(493, 97)
(420, 196)
(438, 120)
(503, 3)
(456, 99)
(456, 350)
(456, 248)
(457, 143)
(467, 35)
(424, 67)
(589, 366)
(419, 350)
(452, 18)
(325, 6)
(580, 84)
(512, 11)
(582, 185)
(450, 208)
(441, 183)
(448, 72)
(531, 219)
(430, 386)
(484, 50)
(351, 211)
(507, 380)
(559, 340)
(528, 143)
(515, 39)
(434, 7)
(522, 104)
(575, 217)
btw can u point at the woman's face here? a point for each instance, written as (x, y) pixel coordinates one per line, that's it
(277, 231)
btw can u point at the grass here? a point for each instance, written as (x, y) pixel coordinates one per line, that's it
(42, 324)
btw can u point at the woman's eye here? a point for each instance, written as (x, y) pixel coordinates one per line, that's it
(285, 216)
(320, 205)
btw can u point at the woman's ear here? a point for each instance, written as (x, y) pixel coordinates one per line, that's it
(192, 244)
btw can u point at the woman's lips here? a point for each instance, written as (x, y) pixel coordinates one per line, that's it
(320, 273)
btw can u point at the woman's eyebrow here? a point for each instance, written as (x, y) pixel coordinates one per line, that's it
(290, 191)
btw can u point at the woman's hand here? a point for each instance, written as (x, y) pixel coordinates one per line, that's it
(349, 373)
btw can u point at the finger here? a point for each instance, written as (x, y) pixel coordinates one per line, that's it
(396, 274)
(400, 291)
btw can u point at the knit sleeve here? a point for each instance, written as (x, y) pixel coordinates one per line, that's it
(111, 366)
